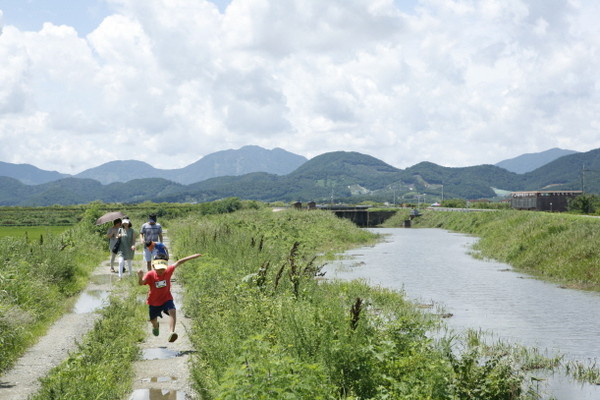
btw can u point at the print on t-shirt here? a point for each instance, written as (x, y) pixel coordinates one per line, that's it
(161, 284)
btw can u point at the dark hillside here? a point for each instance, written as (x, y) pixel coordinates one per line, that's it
(67, 191)
(468, 182)
(13, 192)
(566, 173)
(342, 168)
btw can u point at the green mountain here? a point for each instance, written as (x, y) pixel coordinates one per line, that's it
(580, 171)
(467, 182)
(337, 176)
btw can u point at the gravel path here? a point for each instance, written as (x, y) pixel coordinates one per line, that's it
(22, 380)
(162, 373)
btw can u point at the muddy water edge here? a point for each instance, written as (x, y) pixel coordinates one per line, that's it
(433, 267)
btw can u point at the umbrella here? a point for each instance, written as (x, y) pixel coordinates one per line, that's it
(109, 217)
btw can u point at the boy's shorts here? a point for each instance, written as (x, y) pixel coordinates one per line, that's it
(155, 311)
(149, 254)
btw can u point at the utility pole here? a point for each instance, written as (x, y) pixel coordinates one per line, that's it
(583, 171)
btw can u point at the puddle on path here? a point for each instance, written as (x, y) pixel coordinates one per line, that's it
(160, 353)
(90, 301)
(155, 379)
(104, 279)
(157, 394)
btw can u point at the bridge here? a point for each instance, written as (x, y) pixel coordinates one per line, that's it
(360, 215)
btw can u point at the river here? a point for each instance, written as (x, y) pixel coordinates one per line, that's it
(434, 266)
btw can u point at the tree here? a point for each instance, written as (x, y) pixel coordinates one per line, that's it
(584, 204)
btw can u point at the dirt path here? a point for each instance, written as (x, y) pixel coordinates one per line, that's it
(22, 380)
(161, 374)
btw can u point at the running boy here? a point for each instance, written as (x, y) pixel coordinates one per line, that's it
(160, 299)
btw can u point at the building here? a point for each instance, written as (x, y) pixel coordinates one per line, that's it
(543, 200)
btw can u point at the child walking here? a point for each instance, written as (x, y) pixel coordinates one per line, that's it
(160, 299)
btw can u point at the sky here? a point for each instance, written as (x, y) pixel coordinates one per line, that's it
(454, 82)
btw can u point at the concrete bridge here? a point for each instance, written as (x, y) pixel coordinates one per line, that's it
(360, 215)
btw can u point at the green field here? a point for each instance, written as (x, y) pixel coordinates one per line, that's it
(31, 232)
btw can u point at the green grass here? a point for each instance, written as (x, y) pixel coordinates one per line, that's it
(265, 328)
(37, 279)
(31, 232)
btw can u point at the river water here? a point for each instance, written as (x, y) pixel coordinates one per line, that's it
(435, 267)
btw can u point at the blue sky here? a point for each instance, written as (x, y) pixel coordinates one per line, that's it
(454, 82)
(30, 15)
(83, 15)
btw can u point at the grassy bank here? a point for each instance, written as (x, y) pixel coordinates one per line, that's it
(37, 277)
(558, 247)
(266, 326)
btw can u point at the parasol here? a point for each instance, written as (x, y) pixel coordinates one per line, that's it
(109, 217)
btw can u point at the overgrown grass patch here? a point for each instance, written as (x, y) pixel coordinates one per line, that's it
(267, 326)
(36, 279)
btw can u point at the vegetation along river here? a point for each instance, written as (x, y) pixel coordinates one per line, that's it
(434, 267)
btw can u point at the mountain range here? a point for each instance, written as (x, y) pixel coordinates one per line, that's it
(335, 176)
(222, 163)
(531, 161)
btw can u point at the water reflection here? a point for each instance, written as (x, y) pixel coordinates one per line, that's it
(155, 379)
(103, 279)
(159, 353)
(89, 301)
(432, 266)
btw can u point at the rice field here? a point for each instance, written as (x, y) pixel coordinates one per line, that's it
(31, 232)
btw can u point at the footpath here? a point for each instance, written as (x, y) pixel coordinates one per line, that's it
(162, 372)
(22, 380)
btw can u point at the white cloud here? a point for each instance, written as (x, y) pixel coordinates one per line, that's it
(454, 82)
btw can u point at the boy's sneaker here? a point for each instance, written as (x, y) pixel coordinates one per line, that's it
(173, 337)
(155, 331)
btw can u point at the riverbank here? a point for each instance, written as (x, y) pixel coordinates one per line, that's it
(266, 324)
(560, 248)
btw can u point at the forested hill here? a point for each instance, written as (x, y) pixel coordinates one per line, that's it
(337, 176)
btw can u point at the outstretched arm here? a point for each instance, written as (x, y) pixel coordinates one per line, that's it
(141, 280)
(184, 259)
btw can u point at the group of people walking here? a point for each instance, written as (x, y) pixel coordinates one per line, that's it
(122, 243)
